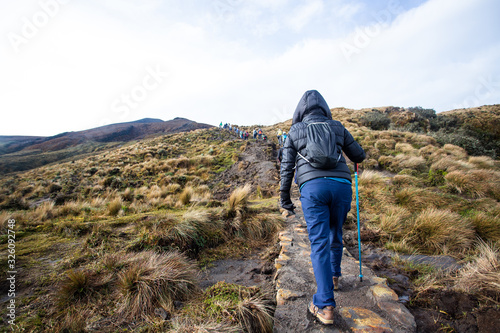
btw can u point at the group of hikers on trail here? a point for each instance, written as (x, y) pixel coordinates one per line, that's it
(242, 134)
(257, 132)
(312, 156)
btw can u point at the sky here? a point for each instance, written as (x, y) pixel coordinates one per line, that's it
(70, 65)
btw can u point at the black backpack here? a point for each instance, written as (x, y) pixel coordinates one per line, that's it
(322, 151)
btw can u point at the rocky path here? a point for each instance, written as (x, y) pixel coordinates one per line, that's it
(367, 306)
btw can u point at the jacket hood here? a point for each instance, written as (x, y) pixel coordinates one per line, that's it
(311, 101)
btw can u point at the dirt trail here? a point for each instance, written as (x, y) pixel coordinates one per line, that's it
(367, 306)
(256, 165)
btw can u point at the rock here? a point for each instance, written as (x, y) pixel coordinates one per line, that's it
(400, 314)
(284, 295)
(160, 312)
(362, 320)
(381, 293)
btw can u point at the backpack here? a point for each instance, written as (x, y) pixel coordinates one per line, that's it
(322, 151)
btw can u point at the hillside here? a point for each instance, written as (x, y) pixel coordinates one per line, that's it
(123, 239)
(25, 153)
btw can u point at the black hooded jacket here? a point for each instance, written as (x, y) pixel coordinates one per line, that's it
(313, 108)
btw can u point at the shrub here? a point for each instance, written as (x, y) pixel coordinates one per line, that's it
(438, 231)
(393, 221)
(376, 121)
(155, 280)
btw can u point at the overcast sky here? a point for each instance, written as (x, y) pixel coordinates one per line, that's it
(72, 65)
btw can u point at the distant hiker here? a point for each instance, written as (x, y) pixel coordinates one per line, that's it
(280, 155)
(314, 151)
(220, 125)
(279, 134)
(260, 133)
(264, 137)
(283, 138)
(255, 133)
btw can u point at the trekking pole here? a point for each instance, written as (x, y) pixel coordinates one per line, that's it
(357, 210)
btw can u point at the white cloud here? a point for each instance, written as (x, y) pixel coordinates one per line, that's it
(250, 66)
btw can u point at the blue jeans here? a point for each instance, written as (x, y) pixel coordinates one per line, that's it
(325, 203)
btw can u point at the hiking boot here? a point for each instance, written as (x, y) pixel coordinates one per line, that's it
(324, 315)
(335, 283)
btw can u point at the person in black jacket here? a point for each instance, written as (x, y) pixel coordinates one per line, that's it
(326, 196)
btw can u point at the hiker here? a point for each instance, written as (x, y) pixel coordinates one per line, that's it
(284, 136)
(279, 135)
(260, 133)
(255, 133)
(325, 193)
(220, 125)
(264, 137)
(280, 155)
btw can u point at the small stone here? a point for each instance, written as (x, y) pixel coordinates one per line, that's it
(285, 238)
(284, 295)
(283, 257)
(378, 280)
(285, 244)
(303, 245)
(362, 320)
(400, 314)
(382, 293)
(160, 312)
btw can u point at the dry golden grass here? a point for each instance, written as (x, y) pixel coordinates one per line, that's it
(438, 231)
(154, 280)
(457, 152)
(238, 199)
(75, 287)
(482, 275)
(476, 183)
(262, 226)
(115, 206)
(487, 226)
(406, 148)
(184, 325)
(186, 196)
(417, 199)
(482, 162)
(370, 178)
(406, 180)
(394, 221)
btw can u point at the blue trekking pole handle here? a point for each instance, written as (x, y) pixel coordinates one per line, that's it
(357, 214)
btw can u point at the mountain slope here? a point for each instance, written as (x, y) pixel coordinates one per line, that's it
(25, 153)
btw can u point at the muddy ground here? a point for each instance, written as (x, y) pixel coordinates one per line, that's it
(436, 310)
(257, 166)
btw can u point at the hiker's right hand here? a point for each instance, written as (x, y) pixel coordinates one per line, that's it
(286, 201)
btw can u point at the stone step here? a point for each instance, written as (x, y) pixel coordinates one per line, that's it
(362, 306)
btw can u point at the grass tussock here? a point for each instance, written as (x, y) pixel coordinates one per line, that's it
(487, 226)
(115, 206)
(251, 307)
(186, 196)
(440, 231)
(481, 276)
(75, 287)
(476, 183)
(154, 280)
(238, 199)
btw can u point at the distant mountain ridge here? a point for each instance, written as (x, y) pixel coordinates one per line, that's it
(19, 153)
